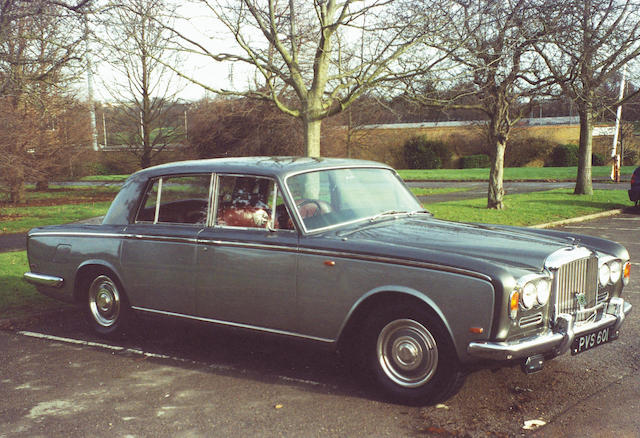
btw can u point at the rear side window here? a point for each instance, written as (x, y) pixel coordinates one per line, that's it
(176, 199)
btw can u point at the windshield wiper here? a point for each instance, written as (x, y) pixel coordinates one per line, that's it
(396, 212)
(388, 213)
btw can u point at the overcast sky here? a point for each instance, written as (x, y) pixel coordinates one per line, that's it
(199, 25)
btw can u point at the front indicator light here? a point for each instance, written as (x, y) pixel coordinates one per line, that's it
(514, 301)
(627, 273)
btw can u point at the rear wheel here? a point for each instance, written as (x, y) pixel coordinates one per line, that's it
(410, 356)
(106, 307)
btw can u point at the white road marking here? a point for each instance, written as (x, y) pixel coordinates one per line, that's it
(161, 356)
(586, 227)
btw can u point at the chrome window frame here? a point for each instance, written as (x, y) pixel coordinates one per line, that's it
(160, 180)
(270, 226)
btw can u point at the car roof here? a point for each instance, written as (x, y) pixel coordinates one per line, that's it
(261, 166)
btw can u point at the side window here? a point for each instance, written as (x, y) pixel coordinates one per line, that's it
(176, 199)
(248, 202)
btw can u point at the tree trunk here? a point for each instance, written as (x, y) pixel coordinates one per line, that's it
(312, 130)
(496, 176)
(583, 179)
(16, 192)
(145, 158)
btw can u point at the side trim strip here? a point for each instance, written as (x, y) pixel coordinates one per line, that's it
(78, 234)
(320, 252)
(233, 324)
(401, 262)
(43, 280)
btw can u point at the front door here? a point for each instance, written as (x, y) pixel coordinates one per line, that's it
(247, 258)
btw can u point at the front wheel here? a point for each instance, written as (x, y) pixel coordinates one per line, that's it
(411, 356)
(106, 307)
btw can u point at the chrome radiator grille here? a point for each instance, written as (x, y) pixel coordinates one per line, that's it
(577, 277)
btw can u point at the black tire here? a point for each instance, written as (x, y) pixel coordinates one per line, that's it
(410, 356)
(105, 305)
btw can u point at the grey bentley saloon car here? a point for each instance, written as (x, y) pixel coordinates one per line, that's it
(338, 252)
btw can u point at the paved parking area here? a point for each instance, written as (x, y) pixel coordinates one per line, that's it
(57, 379)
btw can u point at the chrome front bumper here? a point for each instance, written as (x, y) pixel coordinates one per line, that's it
(556, 342)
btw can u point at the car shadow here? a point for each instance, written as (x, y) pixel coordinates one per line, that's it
(213, 349)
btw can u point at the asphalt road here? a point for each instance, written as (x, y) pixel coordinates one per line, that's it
(170, 379)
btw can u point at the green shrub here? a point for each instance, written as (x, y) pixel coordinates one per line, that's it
(422, 153)
(564, 155)
(527, 150)
(631, 157)
(475, 161)
(598, 159)
(100, 169)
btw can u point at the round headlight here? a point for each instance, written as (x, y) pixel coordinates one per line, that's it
(615, 269)
(529, 295)
(543, 291)
(604, 275)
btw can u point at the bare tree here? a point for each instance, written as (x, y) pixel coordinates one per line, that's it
(16, 60)
(588, 42)
(492, 70)
(134, 39)
(311, 58)
(39, 44)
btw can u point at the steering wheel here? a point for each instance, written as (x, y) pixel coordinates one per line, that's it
(317, 211)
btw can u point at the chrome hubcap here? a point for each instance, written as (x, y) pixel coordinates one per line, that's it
(407, 353)
(104, 301)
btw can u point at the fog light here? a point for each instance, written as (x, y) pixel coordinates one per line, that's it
(604, 275)
(529, 295)
(544, 291)
(615, 268)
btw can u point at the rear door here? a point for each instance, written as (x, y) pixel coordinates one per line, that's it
(158, 256)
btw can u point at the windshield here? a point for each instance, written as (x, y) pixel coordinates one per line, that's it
(332, 197)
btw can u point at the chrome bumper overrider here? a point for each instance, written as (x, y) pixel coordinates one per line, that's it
(43, 280)
(556, 342)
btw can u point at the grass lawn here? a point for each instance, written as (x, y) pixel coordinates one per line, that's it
(510, 173)
(421, 191)
(105, 178)
(531, 208)
(55, 193)
(21, 219)
(17, 297)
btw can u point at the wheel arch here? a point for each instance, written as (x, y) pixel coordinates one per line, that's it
(91, 267)
(384, 297)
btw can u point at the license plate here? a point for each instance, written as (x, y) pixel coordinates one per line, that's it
(590, 340)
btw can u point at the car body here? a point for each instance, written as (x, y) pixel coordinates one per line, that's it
(341, 253)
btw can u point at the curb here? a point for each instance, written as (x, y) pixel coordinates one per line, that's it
(579, 219)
